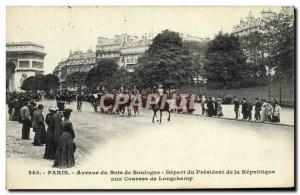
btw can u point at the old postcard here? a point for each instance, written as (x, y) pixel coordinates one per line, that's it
(105, 97)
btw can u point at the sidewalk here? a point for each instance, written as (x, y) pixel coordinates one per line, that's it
(286, 118)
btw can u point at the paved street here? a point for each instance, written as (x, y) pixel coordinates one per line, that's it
(108, 142)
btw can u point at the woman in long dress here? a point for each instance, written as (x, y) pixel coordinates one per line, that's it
(269, 111)
(219, 108)
(276, 112)
(50, 148)
(64, 157)
(263, 111)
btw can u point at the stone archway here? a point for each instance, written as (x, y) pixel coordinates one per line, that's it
(10, 74)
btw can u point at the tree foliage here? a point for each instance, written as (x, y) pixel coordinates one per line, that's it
(52, 82)
(40, 82)
(29, 84)
(124, 78)
(254, 49)
(196, 50)
(224, 60)
(166, 62)
(280, 47)
(76, 79)
(104, 74)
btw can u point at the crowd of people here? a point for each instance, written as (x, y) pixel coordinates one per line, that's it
(58, 139)
(263, 110)
(245, 109)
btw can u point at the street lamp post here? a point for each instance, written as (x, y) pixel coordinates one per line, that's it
(270, 83)
(280, 78)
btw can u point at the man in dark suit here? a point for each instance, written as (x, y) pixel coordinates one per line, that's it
(257, 109)
(245, 109)
(236, 107)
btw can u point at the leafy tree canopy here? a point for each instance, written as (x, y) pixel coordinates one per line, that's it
(76, 79)
(104, 74)
(224, 59)
(165, 62)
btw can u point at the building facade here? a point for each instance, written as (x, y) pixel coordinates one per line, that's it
(77, 61)
(23, 60)
(127, 49)
(252, 24)
(124, 49)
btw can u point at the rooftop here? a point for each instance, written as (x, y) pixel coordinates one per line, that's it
(25, 43)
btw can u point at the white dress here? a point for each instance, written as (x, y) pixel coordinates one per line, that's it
(263, 112)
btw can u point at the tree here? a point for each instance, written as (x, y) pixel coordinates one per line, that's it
(76, 79)
(165, 62)
(124, 78)
(280, 46)
(196, 50)
(40, 81)
(224, 60)
(253, 47)
(104, 74)
(52, 82)
(29, 84)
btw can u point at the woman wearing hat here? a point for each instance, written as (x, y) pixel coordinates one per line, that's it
(64, 157)
(38, 126)
(219, 108)
(50, 148)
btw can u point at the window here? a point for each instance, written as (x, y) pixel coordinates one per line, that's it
(36, 64)
(24, 64)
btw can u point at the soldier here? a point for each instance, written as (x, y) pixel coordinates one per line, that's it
(135, 101)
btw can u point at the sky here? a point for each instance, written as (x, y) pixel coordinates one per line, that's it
(61, 29)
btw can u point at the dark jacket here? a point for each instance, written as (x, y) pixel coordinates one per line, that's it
(57, 123)
(236, 105)
(258, 106)
(244, 107)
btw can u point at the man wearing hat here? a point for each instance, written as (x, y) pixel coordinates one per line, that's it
(236, 107)
(245, 109)
(258, 106)
(38, 125)
(32, 108)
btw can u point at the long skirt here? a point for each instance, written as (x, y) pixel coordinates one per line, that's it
(26, 129)
(275, 119)
(51, 146)
(37, 141)
(64, 157)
